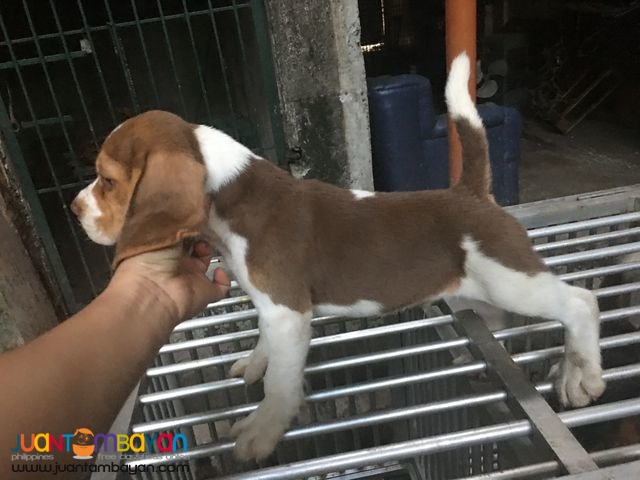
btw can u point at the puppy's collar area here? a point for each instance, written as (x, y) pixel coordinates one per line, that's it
(185, 237)
(224, 157)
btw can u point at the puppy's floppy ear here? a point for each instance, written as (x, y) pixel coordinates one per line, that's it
(169, 204)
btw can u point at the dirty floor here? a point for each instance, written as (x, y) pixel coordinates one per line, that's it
(596, 155)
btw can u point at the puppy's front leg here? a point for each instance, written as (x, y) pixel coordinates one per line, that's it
(287, 334)
(253, 366)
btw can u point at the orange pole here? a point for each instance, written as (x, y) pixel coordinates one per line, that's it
(460, 37)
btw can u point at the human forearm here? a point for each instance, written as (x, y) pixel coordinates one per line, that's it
(80, 373)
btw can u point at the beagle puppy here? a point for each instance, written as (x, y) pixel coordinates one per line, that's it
(302, 247)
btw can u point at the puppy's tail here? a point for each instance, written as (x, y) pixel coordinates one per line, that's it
(476, 168)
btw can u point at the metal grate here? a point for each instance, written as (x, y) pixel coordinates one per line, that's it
(401, 396)
(71, 70)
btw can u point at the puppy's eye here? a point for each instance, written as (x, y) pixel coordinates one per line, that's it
(108, 183)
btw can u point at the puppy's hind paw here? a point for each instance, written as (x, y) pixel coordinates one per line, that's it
(577, 382)
(257, 435)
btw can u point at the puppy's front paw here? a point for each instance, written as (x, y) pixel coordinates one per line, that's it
(578, 380)
(251, 368)
(258, 434)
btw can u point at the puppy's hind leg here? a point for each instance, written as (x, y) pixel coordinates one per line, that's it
(543, 294)
(287, 334)
(579, 374)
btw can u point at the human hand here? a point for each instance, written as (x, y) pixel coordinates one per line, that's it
(177, 280)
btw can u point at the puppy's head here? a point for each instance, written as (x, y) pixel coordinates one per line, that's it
(150, 187)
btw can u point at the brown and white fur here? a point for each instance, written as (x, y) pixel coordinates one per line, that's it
(302, 247)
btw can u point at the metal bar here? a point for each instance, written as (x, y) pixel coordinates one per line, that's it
(207, 341)
(595, 254)
(243, 50)
(194, 419)
(538, 327)
(619, 313)
(172, 61)
(203, 87)
(358, 334)
(48, 161)
(200, 363)
(616, 472)
(341, 337)
(216, 320)
(87, 31)
(190, 391)
(57, 57)
(65, 133)
(120, 53)
(200, 379)
(265, 55)
(247, 75)
(45, 121)
(365, 359)
(330, 365)
(83, 104)
(345, 362)
(579, 207)
(617, 289)
(65, 186)
(386, 471)
(584, 225)
(374, 418)
(223, 67)
(574, 242)
(74, 74)
(610, 375)
(230, 301)
(383, 330)
(602, 458)
(143, 43)
(130, 23)
(600, 271)
(404, 352)
(422, 446)
(323, 394)
(40, 220)
(614, 341)
(551, 430)
(392, 382)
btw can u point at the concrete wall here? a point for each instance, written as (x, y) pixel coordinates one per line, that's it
(26, 310)
(322, 87)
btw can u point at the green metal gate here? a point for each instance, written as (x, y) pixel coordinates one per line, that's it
(71, 70)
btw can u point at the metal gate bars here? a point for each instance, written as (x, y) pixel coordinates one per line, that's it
(71, 70)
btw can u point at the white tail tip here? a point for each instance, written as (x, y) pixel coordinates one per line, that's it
(456, 92)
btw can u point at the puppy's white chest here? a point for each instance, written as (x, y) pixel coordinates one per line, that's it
(234, 250)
